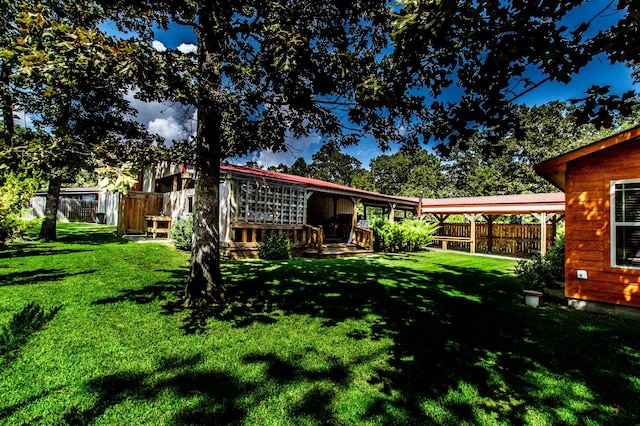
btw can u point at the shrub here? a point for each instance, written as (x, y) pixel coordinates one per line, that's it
(181, 233)
(408, 235)
(383, 232)
(15, 193)
(275, 247)
(556, 261)
(543, 272)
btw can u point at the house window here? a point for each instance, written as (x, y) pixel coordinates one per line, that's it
(625, 223)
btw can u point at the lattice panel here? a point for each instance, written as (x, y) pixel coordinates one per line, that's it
(259, 202)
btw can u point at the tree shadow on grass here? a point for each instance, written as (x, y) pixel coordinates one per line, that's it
(463, 339)
(15, 334)
(28, 250)
(168, 291)
(212, 396)
(465, 349)
(216, 397)
(37, 276)
(10, 410)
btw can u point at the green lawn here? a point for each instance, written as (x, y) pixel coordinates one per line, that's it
(429, 338)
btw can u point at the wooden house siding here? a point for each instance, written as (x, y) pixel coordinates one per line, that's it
(588, 234)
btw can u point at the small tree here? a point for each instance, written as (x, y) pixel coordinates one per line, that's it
(72, 79)
(182, 232)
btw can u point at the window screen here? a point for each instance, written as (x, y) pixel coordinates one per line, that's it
(626, 224)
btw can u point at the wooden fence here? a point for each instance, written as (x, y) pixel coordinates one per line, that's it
(516, 240)
(78, 210)
(71, 209)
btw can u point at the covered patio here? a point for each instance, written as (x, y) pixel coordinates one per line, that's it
(480, 232)
(318, 215)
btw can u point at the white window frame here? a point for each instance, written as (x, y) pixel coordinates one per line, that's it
(614, 224)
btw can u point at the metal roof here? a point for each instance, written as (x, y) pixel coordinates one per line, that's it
(497, 204)
(72, 191)
(316, 185)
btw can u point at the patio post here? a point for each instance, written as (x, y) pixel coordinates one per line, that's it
(472, 218)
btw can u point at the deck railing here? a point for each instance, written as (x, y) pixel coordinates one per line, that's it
(363, 237)
(521, 240)
(249, 234)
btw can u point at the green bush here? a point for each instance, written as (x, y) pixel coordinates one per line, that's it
(15, 193)
(556, 261)
(181, 233)
(408, 235)
(543, 272)
(275, 247)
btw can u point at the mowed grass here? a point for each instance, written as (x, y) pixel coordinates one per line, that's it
(428, 338)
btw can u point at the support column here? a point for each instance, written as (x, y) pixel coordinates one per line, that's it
(308, 195)
(354, 217)
(543, 217)
(472, 218)
(543, 233)
(392, 212)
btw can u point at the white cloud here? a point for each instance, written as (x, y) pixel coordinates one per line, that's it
(158, 45)
(187, 48)
(171, 121)
(303, 147)
(169, 128)
(177, 122)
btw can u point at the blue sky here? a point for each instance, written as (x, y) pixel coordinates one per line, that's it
(170, 122)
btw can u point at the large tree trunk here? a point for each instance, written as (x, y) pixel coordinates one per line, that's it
(205, 284)
(48, 230)
(7, 105)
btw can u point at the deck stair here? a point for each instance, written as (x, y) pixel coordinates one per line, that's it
(335, 250)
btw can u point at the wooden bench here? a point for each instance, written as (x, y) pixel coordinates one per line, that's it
(445, 239)
(158, 225)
